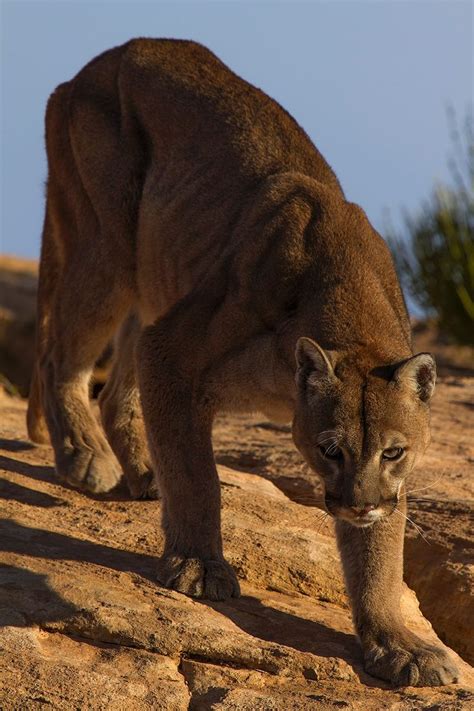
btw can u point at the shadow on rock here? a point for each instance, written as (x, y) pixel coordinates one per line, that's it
(30, 592)
(49, 545)
(16, 445)
(272, 625)
(33, 471)
(10, 491)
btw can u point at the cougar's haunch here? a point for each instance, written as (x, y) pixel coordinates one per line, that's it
(189, 216)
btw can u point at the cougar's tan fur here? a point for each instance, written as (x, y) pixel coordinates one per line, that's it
(189, 213)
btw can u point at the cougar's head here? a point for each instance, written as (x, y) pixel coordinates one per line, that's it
(361, 429)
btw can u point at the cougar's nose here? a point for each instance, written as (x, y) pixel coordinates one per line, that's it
(363, 510)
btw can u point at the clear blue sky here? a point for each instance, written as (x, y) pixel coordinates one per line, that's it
(369, 82)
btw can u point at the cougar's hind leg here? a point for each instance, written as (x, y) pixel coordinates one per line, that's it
(122, 417)
(35, 420)
(48, 273)
(94, 280)
(89, 303)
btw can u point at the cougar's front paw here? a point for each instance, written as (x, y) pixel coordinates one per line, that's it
(201, 578)
(91, 471)
(410, 663)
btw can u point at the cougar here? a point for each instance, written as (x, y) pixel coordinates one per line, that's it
(189, 216)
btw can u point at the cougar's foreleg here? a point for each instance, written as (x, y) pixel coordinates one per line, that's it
(373, 565)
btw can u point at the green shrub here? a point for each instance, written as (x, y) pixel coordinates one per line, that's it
(436, 263)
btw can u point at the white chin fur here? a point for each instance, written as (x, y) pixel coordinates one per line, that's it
(361, 524)
(368, 520)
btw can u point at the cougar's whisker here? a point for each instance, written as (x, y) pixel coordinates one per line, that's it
(423, 488)
(322, 520)
(420, 531)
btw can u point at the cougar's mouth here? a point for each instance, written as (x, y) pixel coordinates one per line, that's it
(360, 516)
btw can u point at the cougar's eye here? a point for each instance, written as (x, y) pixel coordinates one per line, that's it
(332, 452)
(393, 453)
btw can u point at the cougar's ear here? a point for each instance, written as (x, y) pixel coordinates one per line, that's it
(311, 361)
(418, 374)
